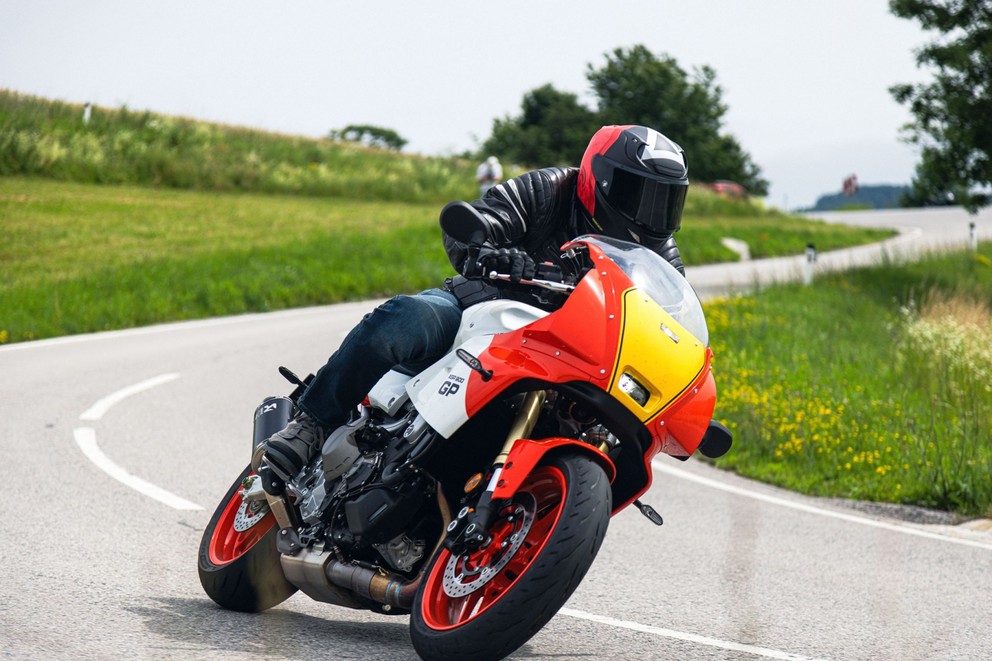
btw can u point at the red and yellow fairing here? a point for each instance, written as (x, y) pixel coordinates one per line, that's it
(668, 361)
(606, 328)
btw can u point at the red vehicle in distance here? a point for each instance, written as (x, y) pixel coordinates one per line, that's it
(729, 189)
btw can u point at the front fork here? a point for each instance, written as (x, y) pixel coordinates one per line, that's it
(469, 530)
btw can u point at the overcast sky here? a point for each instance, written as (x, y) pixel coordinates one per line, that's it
(805, 80)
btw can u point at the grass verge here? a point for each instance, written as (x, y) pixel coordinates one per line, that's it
(872, 384)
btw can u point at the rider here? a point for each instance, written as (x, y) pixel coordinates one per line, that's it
(630, 185)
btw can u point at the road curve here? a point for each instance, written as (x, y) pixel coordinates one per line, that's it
(919, 230)
(120, 444)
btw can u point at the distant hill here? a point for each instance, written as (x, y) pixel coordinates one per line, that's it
(867, 197)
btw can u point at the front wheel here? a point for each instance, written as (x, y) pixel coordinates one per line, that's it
(238, 561)
(485, 604)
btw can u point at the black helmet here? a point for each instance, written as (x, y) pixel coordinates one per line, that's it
(633, 182)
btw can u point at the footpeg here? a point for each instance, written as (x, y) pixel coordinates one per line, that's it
(301, 384)
(649, 512)
(290, 376)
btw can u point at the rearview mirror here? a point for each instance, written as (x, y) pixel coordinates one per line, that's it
(461, 221)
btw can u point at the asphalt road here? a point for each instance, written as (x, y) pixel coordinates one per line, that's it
(118, 446)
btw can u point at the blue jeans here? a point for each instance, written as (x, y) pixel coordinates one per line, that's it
(408, 331)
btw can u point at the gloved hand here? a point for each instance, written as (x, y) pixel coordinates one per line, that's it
(513, 261)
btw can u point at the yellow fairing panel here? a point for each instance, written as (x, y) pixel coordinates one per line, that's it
(657, 352)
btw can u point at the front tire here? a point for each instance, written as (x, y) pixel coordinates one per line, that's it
(238, 560)
(484, 605)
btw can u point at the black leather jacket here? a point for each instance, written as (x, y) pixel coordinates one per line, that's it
(538, 212)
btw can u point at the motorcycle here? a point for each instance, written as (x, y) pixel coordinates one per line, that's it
(475, 495)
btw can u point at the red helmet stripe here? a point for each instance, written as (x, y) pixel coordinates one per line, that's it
(600, 142)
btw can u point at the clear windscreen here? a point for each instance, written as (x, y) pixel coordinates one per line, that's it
(658, 279)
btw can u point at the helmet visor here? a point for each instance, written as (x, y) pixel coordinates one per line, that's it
(655, 205)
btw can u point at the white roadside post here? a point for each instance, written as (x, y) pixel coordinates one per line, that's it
(972, 236)
(810, 263)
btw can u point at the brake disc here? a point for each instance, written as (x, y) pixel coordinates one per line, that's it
(461, 580)
(249, 514)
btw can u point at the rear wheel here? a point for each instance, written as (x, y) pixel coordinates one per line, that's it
(238, 561)
(485, 604)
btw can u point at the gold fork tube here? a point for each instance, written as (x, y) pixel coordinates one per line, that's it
(524, 423)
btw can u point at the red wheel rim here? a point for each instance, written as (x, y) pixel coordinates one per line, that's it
(440, 611)
(229, 544)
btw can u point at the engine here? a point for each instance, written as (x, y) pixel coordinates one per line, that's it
(362, 494)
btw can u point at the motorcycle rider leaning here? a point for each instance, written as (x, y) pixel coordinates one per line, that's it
(631, 185)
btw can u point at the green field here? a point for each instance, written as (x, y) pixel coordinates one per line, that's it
(80, 258)
(135, 218)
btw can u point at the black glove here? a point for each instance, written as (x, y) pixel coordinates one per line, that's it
(513, 261)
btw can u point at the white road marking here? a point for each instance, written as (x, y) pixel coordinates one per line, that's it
(86, 440)
(905, 529)
(97, 411)
(680, 635)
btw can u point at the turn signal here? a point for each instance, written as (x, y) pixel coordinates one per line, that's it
(473, 482)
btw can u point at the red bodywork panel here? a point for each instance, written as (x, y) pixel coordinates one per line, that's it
(526, 454)
(551, 350)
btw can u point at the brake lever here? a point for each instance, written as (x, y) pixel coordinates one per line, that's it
(543, 284)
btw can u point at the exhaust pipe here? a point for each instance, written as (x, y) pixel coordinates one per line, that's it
(324, 578)
(389, 590)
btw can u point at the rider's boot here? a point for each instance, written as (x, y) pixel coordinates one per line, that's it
(289, 450)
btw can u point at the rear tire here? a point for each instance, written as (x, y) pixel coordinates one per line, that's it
(240, 570)
(489, 617)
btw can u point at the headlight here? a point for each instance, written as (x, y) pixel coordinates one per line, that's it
(633, 389)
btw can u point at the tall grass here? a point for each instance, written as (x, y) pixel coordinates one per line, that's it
(945, 358)
(39, 137)
(853, 388)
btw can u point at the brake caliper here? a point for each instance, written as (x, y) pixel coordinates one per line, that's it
(253, 507)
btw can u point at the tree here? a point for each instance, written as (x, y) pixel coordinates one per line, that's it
(552, 129)
(374, 136)
(636, 87)
(951, 114)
